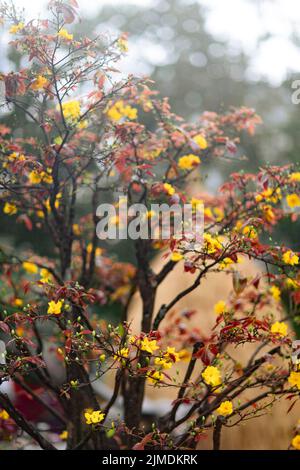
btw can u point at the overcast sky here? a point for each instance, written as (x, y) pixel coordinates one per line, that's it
(241, 22)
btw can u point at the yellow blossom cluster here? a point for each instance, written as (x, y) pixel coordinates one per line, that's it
(154, 377)
(4, 415)
(200, 141)
(45, 276)
(296, 442)
(36, 177)
(220, 307)
(295, 177)
(275, 292)
(122, 44)
(169, 189)
(269, 195)
(10, 208)
(212, 376)
(225, 263)
(211, 244)
(71, 111)
(279, 328)
(294, 379)
(250, 232)
(148, 345)
(121, 354)
(176, 256)
(63, 34)
(39, 83)
(225, 409)
(30, 268)
(293, 200)
(94, 416)
(188, 162)
(121, 110)
(16, 28)
(289, 257)
(54, 308)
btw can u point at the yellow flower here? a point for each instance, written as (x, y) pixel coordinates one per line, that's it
(54, 308)
(89, 248)
(56, 204)
(250, 232)
(63, 33)
(4, 415)
(225, 263)
(119, 110)
(34, 177)
(46, 177)
(149, 345)
(121, 354)
(18, 302)
(188, 162)
(10, 209)
(71, 111)
(175, 256)
(225, 408)
(294, 379)
(220, 307)
(169, 189)
(122, 44)
(16, 28)
(29, 267)
(40, 214)
(196, 202)
(293, 200)
(172, 355)
(58, 140)
(289, 257)
(295, 177)
(291, 283)
(211, 245)
(184, 355)
(64, 435)
(102, 357)
(275, 292)
(208, 212)
(268, 213)
(15, 156)
(200, 141)
(76, 230)
(45, 276)
(154, 377)
(98, 252)
(39, 83)
(163, 363)
(219, 214)
(94, 417)
(296, 442)
(212, 376)
(269, 195)
(279, 328)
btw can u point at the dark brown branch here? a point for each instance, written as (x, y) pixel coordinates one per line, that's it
(7, 405)
(217, 434)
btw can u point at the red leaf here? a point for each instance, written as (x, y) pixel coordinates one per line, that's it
(86, 332)
(68, 345)
(144, 441)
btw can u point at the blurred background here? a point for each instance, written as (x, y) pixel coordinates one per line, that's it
(205, 55)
